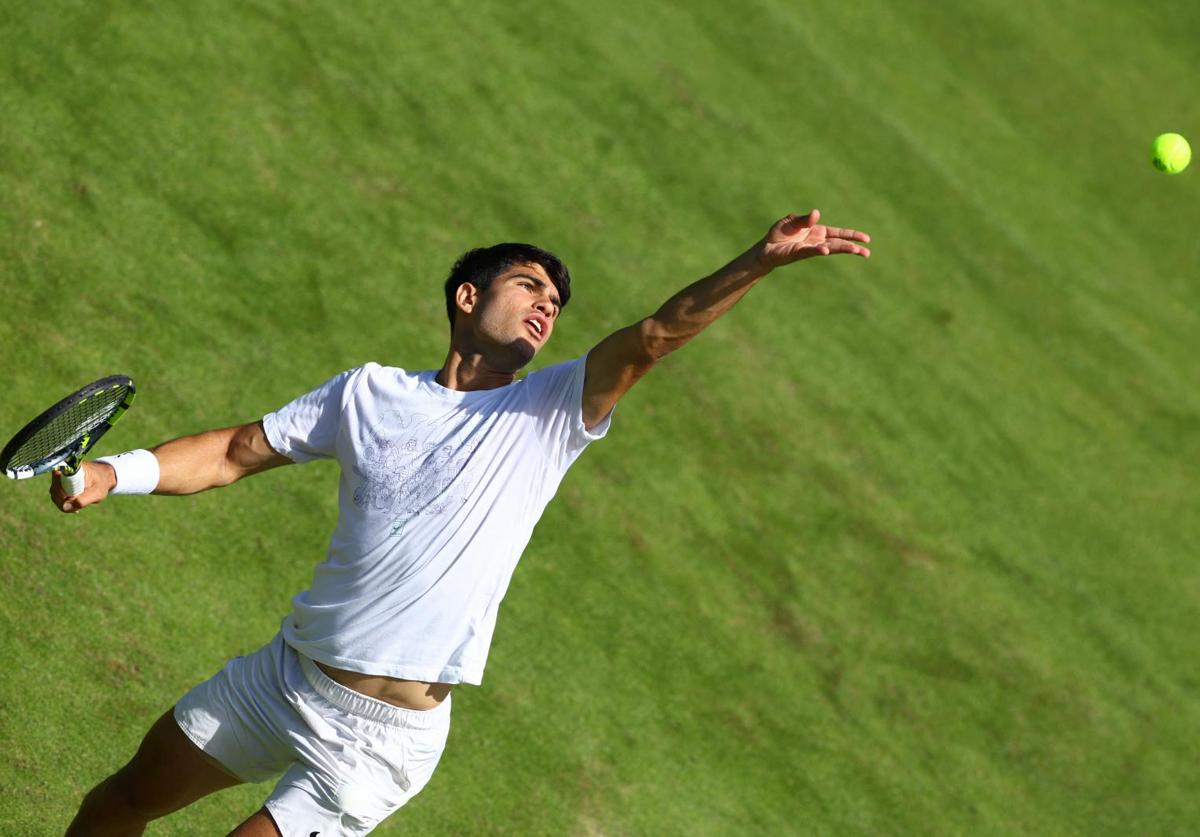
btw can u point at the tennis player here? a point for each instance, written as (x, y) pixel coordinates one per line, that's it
(444, 474)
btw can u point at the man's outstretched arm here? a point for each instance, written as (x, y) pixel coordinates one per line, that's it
(622, 358)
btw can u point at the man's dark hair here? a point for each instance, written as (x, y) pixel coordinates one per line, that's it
(481, 266)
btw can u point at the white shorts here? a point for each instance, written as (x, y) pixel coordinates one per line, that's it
(348, 760)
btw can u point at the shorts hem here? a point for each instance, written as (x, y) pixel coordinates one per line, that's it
(268, 806)
(183, 727)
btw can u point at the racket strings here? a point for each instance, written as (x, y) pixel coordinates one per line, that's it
(70, 427)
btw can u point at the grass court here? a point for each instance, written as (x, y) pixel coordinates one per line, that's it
(905, 546)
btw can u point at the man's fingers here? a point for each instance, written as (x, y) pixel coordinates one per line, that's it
(58, 494)
(838, 245)
(846, 233)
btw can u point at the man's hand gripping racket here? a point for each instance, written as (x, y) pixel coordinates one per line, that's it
(58, 439)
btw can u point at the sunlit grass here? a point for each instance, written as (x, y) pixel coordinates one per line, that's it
(899, 546)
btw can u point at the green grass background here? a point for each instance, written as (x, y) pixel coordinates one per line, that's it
(900, 546)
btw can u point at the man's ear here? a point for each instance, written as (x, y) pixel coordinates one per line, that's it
(466, 297)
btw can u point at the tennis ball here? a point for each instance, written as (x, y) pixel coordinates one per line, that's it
(1170, 153)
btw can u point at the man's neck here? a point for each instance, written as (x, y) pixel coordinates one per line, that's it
(470, 372)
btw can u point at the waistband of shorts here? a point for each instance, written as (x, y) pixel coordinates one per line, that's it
(368, 707)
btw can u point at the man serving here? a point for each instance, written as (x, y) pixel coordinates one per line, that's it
(444, 474)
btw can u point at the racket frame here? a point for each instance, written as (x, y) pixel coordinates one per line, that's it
(68, 460)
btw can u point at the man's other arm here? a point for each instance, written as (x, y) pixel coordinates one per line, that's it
(187, 465)
(620, 360)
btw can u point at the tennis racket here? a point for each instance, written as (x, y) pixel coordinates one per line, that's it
(59, 437)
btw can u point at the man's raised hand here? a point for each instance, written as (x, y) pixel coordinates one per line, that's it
(796, 237)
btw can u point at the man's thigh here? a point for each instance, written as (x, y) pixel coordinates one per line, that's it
(170, 772)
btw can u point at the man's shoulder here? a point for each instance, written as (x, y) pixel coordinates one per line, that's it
(552, 387)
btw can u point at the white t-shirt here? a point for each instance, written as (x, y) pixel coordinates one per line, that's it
(439, 494)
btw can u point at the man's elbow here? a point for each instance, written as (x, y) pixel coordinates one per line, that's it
(657, 340)
(248, 453)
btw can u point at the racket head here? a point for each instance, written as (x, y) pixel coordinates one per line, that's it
(69, 429)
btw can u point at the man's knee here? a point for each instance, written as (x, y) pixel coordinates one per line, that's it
(112, 803)
(120, 798)
(133, 798)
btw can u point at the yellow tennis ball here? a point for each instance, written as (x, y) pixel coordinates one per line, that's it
(1170, 153)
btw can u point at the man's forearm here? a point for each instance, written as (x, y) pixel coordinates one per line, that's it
(195, 463)
(182, 466)
(698, 305)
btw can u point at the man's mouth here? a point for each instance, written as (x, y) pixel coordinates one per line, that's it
(536, 327)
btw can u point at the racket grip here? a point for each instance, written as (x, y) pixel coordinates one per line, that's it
(73, 484)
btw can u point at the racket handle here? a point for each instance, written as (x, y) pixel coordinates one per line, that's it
(74, 483)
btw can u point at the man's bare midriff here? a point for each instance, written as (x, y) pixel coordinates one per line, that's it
(407, 694)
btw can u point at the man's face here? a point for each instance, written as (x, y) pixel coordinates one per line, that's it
(517, 313)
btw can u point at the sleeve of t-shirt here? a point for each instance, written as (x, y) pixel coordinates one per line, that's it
(556, 401)
(306, 428)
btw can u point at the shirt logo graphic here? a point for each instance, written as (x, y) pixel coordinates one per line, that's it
(411, 466)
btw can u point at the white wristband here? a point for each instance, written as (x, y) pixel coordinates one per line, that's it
(137, 471)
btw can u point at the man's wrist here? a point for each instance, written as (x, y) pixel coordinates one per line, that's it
(756, 260)
(136, 472)
(108, 473)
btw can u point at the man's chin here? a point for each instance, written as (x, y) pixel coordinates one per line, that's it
(521, 352)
